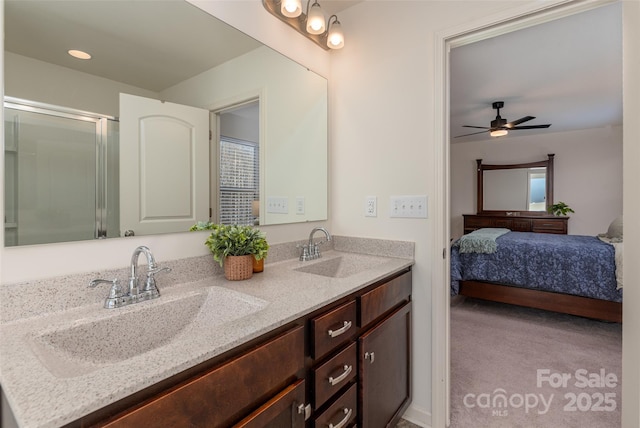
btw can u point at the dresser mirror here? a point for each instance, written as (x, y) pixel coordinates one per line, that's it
(515, 189)
(169, 51)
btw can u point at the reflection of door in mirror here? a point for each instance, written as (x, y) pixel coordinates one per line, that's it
(239, 164)
(164, 166)
(57, 172)
(536, 193)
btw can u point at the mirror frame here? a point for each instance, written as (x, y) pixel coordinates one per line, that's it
(481, 168)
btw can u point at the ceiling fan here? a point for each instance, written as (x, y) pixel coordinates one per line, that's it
(500, 126)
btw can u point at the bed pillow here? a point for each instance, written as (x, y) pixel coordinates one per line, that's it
(614, 233)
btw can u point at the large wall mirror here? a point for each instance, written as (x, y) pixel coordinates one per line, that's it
(69, 172)
(524, 189)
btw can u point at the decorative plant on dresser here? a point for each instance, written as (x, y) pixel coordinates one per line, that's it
(235, 247)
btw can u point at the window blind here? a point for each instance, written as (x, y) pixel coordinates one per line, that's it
(239, 181)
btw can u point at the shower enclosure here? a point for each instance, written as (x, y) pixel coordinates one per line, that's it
(61, 174)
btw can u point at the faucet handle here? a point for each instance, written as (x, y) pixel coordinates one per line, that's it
(114, 292)
(156, 270)
(304, 254)
(150, 285)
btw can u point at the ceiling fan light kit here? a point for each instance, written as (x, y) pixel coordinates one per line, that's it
(500, 127)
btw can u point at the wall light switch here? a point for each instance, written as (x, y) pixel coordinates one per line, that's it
(410, 206)
(277, 205)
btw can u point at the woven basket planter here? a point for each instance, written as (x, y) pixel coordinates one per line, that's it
(237, 268)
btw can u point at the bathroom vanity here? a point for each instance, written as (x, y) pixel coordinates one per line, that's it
(303, 344)
(344, 363)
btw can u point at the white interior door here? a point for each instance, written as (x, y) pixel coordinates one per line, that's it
(164, 166)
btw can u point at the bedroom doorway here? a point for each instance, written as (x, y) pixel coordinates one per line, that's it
(480, 30)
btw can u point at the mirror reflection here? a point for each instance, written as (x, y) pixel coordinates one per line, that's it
(515, 188)
(519, 189)
(67, 182)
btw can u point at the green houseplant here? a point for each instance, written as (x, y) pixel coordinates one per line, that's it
(560, 209)
(229, 243)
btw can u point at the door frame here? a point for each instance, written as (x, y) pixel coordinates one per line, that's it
(504, 22)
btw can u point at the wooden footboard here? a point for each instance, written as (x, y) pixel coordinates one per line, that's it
(556, 302)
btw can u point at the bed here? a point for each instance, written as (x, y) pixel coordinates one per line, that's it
(571, 274)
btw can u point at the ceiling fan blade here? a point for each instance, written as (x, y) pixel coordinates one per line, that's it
(473, 133)
(478, 127)
(514, 123)
(532, 126)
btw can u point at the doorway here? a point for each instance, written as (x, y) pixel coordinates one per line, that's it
(506, 22)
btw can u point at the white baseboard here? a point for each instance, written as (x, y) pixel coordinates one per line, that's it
(417, 416)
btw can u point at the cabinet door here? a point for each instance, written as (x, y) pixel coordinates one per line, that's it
(385, 369)
(287, 409)
(227, 393)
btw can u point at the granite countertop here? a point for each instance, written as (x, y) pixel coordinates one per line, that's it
(43, 394)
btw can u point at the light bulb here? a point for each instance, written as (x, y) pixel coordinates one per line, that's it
(291, 8)
(315, 20)
(335, 39)
(499, 133)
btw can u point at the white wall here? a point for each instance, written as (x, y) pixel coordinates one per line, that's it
(383, 138)
(48, 83)
(587, 173)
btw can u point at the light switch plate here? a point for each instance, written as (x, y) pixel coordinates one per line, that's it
(409, 206)
(277, 205)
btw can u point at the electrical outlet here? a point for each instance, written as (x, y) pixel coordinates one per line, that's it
(277, 205)
(371, 206)
(410, 206)
(299, 205)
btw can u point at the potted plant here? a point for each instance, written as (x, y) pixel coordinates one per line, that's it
(560, 209)
(236, 248)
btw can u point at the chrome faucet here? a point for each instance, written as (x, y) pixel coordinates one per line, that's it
(311, 251)
(117, 297)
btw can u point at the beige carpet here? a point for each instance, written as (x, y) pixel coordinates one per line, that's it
(517, 367)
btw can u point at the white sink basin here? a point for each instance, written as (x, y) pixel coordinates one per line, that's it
(341, 266)
(115, 335)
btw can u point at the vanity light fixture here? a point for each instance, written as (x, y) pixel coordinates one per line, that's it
(499, 133)
(312, 25)
(79, 54)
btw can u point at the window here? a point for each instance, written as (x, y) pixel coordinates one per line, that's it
(239, 178)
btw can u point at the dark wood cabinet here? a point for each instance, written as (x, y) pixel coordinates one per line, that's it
(343, 365)
(385, 369)
(539, 224)
(224, 395)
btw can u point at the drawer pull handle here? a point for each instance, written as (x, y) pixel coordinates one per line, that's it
(344, 421)
(305, 410)
(334, 381)
(370, 356)
(338, 332)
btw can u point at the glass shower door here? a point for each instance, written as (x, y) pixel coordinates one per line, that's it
(51, 177)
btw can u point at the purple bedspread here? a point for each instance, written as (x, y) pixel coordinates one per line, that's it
(570, 264)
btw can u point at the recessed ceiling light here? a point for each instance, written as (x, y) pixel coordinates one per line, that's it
(78, 54)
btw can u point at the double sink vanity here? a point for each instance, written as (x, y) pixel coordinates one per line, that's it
(319, 343)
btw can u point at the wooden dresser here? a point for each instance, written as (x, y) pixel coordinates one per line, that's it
(520, 223)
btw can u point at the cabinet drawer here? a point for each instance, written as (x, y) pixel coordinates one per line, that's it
(477, 222)
(281, 411)
(520, 225)
(380, 300)
(506, 223)
(342, 412)
(221, 396)
(333, 329)
(549, 226)
(334, 374)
